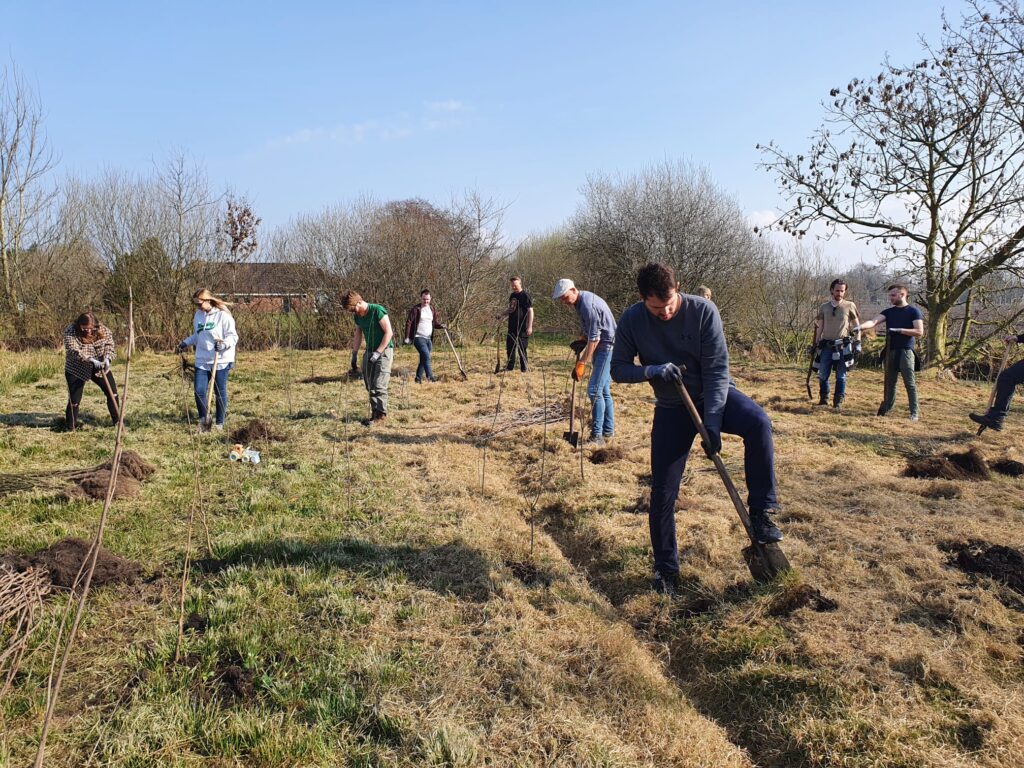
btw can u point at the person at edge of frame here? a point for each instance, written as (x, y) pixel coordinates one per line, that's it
(520, 324)
(373, 323)
(903, 323)
(420, 323)
(89, 351)
(598, 327)
(834, 322)
(215, 338)
(679, 341)
(1006, 383)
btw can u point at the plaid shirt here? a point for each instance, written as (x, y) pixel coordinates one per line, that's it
(76, 362)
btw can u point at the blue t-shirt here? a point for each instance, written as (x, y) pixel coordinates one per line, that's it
(596, 318)
(901, 317)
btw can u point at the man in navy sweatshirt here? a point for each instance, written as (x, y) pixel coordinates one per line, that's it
(679, 340)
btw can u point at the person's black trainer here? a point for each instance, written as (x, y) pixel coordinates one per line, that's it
(764, 530)
(666, 585)
(986, 421)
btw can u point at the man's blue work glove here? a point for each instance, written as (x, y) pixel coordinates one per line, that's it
(714, 444)
(668, 372)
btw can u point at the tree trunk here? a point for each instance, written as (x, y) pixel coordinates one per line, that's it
(938, 320)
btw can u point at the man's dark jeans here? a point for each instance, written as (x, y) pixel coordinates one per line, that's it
(515, 345)
(671, 438)
(424, 346)
(1005, 385)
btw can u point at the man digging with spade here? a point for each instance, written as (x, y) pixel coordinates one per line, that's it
(372, 322)
(679, 340)
(598, 326)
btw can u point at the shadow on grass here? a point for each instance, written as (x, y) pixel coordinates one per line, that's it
(720, 668)
(448, 569)
(39, 420)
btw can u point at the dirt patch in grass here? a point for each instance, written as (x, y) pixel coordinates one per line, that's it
(132, 464)
(63, 560)
(257, 429)
(236, 682)
(969, 465)
(94, 486)
(529, 572)
(607, 455)
(998, 562)
(940, 490)
(323, 379)
(801, 596)
(196, 623)
(1007, 467)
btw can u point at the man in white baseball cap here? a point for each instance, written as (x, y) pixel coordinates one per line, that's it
(595, 345)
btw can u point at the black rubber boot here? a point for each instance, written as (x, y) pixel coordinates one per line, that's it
(837, 402)
(987, 420)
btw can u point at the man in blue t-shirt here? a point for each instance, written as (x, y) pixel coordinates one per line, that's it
(903, 323)
(679, 339)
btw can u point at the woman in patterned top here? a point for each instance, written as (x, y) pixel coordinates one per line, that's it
(90, 349)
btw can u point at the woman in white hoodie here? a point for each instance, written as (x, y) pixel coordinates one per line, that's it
(214, 336)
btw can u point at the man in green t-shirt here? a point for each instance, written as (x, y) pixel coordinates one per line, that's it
(373, 323)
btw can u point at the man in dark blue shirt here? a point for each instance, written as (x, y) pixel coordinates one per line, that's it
(903, 323)
(668, 330)
(1007, 382)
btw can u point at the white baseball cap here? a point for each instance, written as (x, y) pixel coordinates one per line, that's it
(562, 287)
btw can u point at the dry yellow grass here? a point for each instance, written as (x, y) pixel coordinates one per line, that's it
(496, 607)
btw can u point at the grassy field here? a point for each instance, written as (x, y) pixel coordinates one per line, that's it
(400, 596)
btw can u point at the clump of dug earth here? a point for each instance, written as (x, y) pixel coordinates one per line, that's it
(63, 560)
(256, 430)
(1000, 563)
(969, 465)
(93, 483)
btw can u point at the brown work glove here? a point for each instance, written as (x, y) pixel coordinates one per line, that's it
(577, 371)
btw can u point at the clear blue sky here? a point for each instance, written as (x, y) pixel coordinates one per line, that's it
(303, 104)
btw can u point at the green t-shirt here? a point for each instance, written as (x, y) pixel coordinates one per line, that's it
(369, 324)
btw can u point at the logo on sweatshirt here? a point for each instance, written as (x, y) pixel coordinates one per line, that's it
(208, 326)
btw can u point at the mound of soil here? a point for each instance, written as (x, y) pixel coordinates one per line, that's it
(607, 455)
(235, 681)
(1003, 564)
(257, 429)
(969, 465)
(529, 573)
(94, 486)
(64, 559)
(133, 465)
(1007, 467)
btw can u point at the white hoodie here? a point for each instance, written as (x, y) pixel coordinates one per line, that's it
(211, 326)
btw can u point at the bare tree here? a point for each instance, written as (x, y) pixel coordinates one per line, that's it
(926, 160)
(25, 158)
(670, 212)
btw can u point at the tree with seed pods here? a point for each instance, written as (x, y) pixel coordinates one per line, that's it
(927, 161)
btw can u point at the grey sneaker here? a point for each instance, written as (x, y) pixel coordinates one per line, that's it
(914, 417)
(219, 427)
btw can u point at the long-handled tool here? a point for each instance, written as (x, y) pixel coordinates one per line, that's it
(497, 350)
(995, 384)
(810, 370)
(457, 361)
(572, 436)
(106, 388)
(765, 561)
(211, 387)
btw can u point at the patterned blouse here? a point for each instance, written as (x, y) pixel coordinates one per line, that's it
(76, 362)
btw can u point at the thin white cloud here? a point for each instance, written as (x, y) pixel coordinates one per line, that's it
(435, 116)
(447, 105)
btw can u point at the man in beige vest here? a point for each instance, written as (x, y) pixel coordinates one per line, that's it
(834, 339)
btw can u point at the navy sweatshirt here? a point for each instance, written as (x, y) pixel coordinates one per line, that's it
(693, 337)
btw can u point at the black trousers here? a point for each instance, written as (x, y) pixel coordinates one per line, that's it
(76, 387)
(515, 346)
